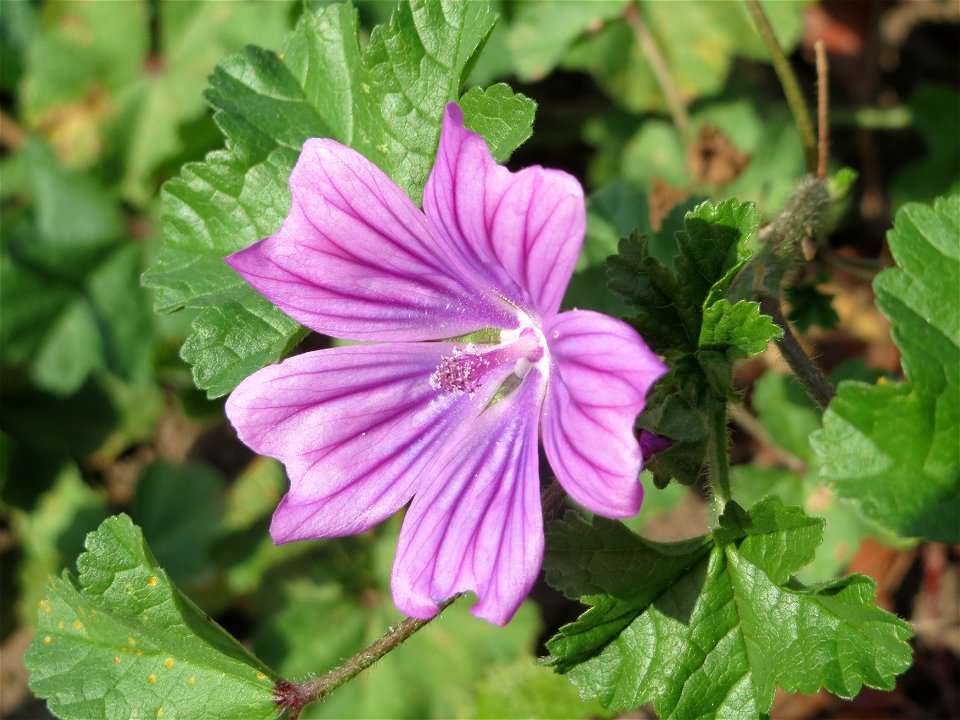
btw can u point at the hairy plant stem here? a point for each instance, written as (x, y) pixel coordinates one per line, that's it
(788, 80)
(718, 456)
(293, 697)
(661, 72)
(809, 375)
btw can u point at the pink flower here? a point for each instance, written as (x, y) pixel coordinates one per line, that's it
(450, 423)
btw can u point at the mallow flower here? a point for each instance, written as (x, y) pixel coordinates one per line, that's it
(464, 362)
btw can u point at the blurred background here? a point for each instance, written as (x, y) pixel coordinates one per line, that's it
(103, 101)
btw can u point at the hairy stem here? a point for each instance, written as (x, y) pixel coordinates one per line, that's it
(718, 456)
(661, 72)
(823, 110)
(809, 375)
(788, 80)
(293, 697)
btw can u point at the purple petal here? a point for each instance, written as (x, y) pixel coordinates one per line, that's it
(600, 373)
(651, 443)
(522, 230)
(354, 258)
(355, 427)
(477, 526)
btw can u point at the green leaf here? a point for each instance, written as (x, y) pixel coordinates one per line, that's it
(178, 510)
(126, 643)
(716, 241)
(120, 96)
(431, 675)
(385, 101)
(738, 327)
(787, 412)
(893, 447)
(712, 626)
(72, 309)
(527, 691)
(698, 40)
(52, 534)
(69, 207)
(615, 212)
(504, 118)
(809, 306)
(541, 31)
(936, 114)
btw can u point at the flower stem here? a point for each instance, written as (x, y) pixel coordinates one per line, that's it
(661, 72)
(718, 456)
(813, 380)
(293, 697)
(788, 80)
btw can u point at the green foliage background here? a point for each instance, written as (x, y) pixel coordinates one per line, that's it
(141, 143)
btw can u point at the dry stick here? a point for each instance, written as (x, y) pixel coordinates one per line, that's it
(788, 80)
(807, 373)
(658, 64)
(823, 103)
(293, 697)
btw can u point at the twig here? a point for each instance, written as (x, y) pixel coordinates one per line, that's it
(823, 109)
(658, 64)
(807, 373)
(788, 80)
(293, 697)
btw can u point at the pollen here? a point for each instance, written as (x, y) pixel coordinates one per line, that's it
(460, 372)
(47, 640)
(152, 580)
(159, 712)
(77, 624)
(116, 659)
(169, 662)
(260, 676)
(191, 681)
(151, 679)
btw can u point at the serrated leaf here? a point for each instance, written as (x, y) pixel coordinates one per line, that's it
(739, 328)
(504, 118)
(127, 643)
(384, 101)
(716, 638)
(715, 242)
(893, 447)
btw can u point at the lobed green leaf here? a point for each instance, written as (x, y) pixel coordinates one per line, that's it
(127, 643)
(893, 447)
(711, 627)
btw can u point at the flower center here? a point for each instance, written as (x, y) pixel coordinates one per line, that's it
(465, 368)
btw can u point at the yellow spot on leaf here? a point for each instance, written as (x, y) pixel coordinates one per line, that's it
(260, 676)
(152, 679)
(60, 625)
(882, 380)
(159, 712)
(116, 658)
(77, 624)
(152, 580)
(131, 641)
(191, 680)
(47, 640)
(169, 662)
